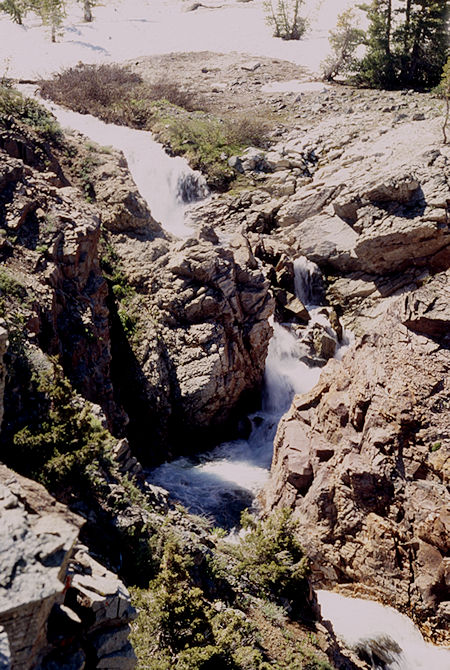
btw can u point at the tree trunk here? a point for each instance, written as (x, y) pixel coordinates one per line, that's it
(87, 11)
(388, 28)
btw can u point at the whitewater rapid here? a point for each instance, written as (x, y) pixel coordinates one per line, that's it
(224, 481)
(166, 183)
(386, 639)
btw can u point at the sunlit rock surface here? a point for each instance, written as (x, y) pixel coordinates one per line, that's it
(364, 459)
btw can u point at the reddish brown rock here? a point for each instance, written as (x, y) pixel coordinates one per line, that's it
(375, 511)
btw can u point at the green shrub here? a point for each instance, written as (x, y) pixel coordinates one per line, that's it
(61, 448)
(89, 89)
(271, 560)
(85, 171)
(14, 104)
(10, 287)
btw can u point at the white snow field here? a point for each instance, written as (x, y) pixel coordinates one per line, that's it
(129, 29)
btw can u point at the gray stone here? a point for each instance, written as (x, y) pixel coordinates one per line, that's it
(236, 163)
(124, 659)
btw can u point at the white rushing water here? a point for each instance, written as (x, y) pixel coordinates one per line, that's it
(167, 183)
(389, 640)
(225, 480)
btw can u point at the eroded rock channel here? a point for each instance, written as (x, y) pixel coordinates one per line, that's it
(324, 274)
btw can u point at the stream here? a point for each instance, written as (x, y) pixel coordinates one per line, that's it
(224, 481)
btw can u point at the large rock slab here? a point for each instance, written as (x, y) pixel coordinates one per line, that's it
(58, 606)
(203, 347)
(37, 538)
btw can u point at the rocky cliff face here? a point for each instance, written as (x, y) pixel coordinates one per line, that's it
(58, 606)
(364, 460)
(204, 343)
(187, 324)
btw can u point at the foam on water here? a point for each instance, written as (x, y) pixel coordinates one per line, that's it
(381, 633)
(167, 183)
(223, 481)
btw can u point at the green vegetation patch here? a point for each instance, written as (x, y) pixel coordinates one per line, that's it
(64, 448)
(27, 111)
(179, 628)
(178, 118)
(124, 293)
(182, 626)
(271, 560)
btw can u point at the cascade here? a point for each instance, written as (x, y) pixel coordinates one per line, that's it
(225, 480)
(386, 639)
(308, 282)
(166, 183)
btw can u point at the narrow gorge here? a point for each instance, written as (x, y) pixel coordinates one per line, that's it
(172, 355)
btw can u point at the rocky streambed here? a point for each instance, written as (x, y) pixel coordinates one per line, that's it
(169, 337)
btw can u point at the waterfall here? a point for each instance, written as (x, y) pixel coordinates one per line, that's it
(225, 480)
(308, 282)
(386, 639)
(166, 183)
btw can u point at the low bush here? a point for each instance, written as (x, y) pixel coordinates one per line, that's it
(163, 89)
(10, 287)
(271, 560)
(14, 105)
(89, 89)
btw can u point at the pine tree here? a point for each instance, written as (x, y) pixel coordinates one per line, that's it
(17, 9)
(52, 13)
(377, 68)
(422, 41)
(406, 46)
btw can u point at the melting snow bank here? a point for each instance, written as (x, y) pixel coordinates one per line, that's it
(132, 29)
(385, 638)
(167, 184)
(295, 86)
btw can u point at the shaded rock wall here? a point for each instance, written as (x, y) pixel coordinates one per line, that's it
(201, 341)
(3, 347)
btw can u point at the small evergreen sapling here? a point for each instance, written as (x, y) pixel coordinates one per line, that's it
(344, 41)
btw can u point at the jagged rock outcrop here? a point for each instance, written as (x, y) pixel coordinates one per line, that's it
(203, 338)
(195, 314)
(364, 460)
(50, 253)
(58, 606)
